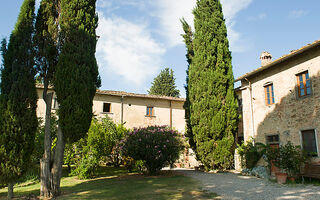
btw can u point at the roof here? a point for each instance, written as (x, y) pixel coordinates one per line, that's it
(280, 60)
(127, 94)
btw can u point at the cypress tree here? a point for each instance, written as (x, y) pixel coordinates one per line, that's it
(18, 100)
(76, 76)
(164, 84)
(46, 43)
(213, 107)
(188, 40)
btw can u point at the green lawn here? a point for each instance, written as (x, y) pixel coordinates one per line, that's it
(116, 183)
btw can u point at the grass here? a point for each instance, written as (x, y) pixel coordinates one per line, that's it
(116, 183)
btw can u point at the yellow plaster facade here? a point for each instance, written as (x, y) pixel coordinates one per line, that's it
(131, 109)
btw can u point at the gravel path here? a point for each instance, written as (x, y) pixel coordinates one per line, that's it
(235, 186)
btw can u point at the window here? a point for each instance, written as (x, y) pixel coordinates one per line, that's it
(150, 111)
(272, 139)
(309, 143)
(304, 84)
(55, 104)
(239, 104)
(106, 107)
(269, 94)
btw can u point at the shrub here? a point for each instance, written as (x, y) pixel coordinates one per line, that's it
(99, 145)
(251, 153)
(157, 146)
(133, 165)
(87, 167)
(115, 157)
(103, 136)
(287, 157)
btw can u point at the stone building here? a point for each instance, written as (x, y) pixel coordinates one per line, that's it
(281, 100)
(134, 111)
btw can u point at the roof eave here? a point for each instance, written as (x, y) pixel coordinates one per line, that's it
(278, 61)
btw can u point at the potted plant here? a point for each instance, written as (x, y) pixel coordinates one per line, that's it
(289, 159)
(293, 159)
(274, 158)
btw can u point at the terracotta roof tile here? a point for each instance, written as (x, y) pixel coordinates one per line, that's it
(121, 93)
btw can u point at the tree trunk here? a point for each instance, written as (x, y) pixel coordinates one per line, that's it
(45, 175)
(57, 164)
(10, 190)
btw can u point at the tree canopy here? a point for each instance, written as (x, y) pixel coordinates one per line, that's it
(77, 76)
(188, 39)
(164, 84)
(213, 106)
(18, 99)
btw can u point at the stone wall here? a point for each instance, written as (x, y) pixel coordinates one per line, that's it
(289, 114)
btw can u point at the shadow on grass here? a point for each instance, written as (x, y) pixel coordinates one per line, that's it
(137, 186)
(117, 183)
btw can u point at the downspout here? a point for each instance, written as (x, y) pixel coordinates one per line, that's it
(170, 114)
(122, 97)
(251, 109)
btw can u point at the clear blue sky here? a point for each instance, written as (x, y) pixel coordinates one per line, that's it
(138, 38)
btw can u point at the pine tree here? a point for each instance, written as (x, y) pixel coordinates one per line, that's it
(188, 39)
(18, 100)
(76, 76)
(213, 107)
(164, 84)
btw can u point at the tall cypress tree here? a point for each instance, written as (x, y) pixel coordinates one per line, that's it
(213, 107)
(164, 84)
(46, 43)
(188, 40)
(18, 100)
(76, 76)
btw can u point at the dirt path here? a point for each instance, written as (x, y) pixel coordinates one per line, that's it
(235, 186)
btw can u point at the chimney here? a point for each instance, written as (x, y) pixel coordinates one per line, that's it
(265, 58)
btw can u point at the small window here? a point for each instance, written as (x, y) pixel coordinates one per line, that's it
(269, 94)
(309, 143)
(106, 107)
(239, 104)
(55, 104)
(150, 111)
(272, 139)
(303, 84)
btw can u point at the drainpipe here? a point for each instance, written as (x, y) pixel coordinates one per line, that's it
(122, 97)
(251, 109)
(170, 114)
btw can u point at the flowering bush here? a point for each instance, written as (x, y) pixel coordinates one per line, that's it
(157, 146)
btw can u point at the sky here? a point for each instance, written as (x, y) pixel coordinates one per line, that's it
(139, 38)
